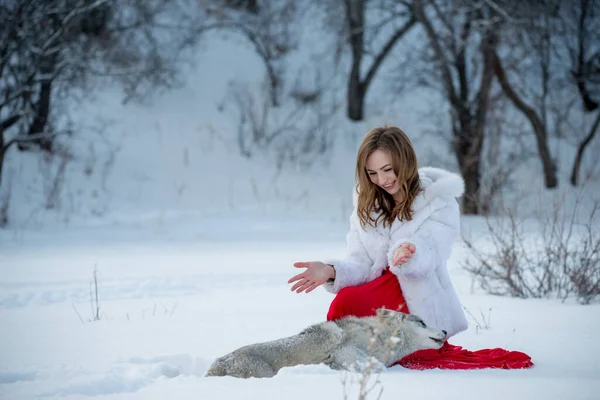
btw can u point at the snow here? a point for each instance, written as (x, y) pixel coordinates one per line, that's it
(193, 246)
(170, 307)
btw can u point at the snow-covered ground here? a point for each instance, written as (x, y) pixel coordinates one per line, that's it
(172, 301)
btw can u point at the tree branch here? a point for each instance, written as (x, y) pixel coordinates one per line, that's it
(539, 129)
(514, 97)
(16, 96)
(33, 137)
(581, 149)
(505, 14)
(461, 60)
(10, 121)
(437, 48)
(386, 49)
(589, 104)
(67, 19)
(488, 45)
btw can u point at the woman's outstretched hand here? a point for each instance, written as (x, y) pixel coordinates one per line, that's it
(316, 274)
(403, 253)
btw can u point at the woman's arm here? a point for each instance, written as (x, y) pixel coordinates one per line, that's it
(336, 274)
(354, 269)
(433, 241)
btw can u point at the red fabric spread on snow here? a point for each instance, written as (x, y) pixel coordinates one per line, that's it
(363, 300)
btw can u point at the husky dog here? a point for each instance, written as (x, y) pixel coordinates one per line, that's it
(346, 343)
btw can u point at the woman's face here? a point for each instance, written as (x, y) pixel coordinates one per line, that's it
(380, 171)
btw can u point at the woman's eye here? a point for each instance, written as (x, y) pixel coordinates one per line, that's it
(387, 170)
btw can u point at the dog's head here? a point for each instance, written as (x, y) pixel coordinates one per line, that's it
(414, 329)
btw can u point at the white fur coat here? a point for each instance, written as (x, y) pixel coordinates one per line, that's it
(424, 279)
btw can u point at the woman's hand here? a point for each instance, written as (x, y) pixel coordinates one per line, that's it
(316, 274)
(403, 253)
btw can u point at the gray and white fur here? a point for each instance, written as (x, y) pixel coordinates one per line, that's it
(347, 343)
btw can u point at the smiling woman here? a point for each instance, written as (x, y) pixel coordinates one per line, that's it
(401, 235)
(387, 159)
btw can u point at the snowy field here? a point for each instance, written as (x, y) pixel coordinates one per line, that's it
(172, 300)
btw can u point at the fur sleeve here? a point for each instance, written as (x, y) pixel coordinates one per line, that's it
(433, 241)
(354, 269)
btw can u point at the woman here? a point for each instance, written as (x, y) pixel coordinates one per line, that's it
(401, 234)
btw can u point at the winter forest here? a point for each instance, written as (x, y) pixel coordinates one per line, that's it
(163, 163)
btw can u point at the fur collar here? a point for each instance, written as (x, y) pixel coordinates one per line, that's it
(436, 182)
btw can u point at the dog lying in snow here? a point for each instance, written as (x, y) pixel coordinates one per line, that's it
(346, 343)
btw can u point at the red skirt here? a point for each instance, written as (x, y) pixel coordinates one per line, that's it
(363, 300)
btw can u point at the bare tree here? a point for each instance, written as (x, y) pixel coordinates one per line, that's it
(580, 24)
(538, 122)
(52, 47)
(581, 21)
(296, 135)
(269, 27)
(463, 40)
(557, 43)
(358, 29)
(467, 39)
(558, 53)
(581, 148)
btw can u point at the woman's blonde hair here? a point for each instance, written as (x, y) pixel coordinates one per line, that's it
(373, 200)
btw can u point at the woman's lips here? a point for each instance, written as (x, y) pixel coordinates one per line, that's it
(388, 187)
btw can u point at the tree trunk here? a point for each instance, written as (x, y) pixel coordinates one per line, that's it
(539, 129)
(470, 200)
(274, 87)
(468, 155)
(550, 178)
(42, 107)
(355, 17)
(356, 99)
(1, 153)
(581, 149)
(358, 86)
(3, 204)
(469, 101)
(583, 69)
(41, 118)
